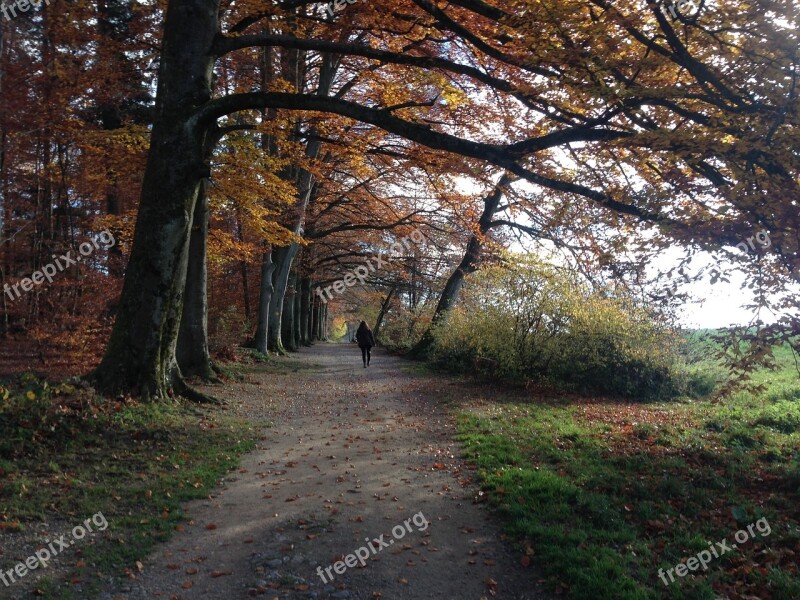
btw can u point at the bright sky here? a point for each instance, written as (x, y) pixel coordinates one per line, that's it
(718, 305)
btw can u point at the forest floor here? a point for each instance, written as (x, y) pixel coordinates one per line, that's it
(352, 455)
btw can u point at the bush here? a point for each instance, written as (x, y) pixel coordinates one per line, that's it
(33, 413)
(401, 330)
(546, 324)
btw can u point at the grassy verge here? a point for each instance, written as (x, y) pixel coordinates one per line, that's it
(66, 455)
(601, 494)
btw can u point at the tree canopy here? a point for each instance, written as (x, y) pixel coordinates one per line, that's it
(282, 143)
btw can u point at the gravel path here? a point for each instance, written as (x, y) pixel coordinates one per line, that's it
(358, 461)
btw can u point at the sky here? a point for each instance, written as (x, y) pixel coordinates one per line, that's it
(718, 305)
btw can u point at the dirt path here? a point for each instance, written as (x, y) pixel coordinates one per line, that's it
(354, 454)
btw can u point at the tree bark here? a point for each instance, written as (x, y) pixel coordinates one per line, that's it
(305, 311)
(141, 353)
(382, 313)
(324, 323)
(280, 280)
(264, 300)
(297, 321)
(289, 315)
(315, 304)
(193, 354)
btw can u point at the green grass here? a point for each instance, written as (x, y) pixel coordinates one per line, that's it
(600, 494)
(66, 455)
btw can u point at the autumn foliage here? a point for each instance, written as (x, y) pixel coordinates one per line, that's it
(606, 132)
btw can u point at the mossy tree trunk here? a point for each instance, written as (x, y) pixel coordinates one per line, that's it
(141, 353)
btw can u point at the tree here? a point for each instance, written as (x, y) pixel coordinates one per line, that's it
(621, 92)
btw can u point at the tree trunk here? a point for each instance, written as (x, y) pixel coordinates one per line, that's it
(280, 279)
(323, 310)
(468, 264)
(264, 300)
(141, 353)
(297, 322)
(193, 355)
(315, 304)
(305, 186)
(289, 315)
(382, 313)
(324, 324)
(305, 311)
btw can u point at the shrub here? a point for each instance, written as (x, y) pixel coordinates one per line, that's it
(402, 329)
(534, 320)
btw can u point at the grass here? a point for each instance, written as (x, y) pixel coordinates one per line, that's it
(601, 494)
(66, 455)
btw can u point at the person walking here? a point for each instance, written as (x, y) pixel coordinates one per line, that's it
(366, 341)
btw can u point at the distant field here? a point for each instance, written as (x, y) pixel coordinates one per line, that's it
(602, 493)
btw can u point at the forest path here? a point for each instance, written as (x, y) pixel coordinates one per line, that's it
(353, 454)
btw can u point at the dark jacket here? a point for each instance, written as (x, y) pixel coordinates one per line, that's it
(365, 338)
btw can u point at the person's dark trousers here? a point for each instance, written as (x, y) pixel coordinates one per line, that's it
(365, 355)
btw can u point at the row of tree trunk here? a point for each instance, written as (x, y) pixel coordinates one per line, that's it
(305, 317)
